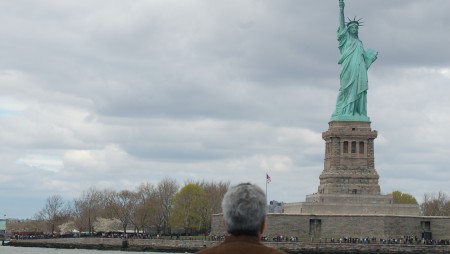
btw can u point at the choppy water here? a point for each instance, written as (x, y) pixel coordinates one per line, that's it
(29, 250)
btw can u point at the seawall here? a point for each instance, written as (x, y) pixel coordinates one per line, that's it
(354, 226)
(191, 246)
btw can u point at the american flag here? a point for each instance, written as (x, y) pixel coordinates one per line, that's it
(268, 179)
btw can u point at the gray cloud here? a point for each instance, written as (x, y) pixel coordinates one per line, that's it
(105, 94)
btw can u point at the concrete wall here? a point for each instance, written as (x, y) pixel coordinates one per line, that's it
(337, 226)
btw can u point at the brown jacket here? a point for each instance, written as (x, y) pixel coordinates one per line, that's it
(241, 245)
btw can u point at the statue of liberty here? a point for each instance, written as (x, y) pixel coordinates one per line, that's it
(351, 104)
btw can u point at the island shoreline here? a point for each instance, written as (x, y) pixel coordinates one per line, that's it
(192, 246)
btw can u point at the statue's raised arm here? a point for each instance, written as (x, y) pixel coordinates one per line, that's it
(351, 104)
(341, 16)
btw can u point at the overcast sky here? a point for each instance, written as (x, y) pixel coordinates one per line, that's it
(110, 94)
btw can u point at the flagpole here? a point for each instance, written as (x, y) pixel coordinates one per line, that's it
(266, 189)
(267, 182)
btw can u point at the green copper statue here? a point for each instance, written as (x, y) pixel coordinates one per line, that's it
(351, 104)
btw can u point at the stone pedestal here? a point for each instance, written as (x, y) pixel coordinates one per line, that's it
(349, 166)
(349, 180)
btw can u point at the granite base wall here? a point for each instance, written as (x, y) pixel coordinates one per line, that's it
(344, 208)
(356, 226)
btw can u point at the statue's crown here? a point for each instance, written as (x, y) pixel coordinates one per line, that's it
(354, 21)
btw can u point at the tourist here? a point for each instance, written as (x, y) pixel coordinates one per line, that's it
(244, 216)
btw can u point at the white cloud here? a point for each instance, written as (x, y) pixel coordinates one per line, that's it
(107, 159)
(42, 162)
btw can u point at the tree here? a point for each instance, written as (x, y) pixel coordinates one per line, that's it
(66, 227)
(78, 214)
(107, 225)
(123, 205)
(53, 212)
(188, 208)
(214, 195)
(166, 190)
(403, 198)
(435, 204)
(147, 208)
(105, 203)
(86, 208)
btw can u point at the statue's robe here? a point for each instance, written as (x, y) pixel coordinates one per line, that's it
(351, 102)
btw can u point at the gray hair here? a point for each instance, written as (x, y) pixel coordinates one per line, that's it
(244, 209)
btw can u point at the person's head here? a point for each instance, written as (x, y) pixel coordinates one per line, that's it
(244, 209)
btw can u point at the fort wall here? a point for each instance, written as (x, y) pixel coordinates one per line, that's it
(354, 226)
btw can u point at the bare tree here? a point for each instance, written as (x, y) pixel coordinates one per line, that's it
(53, 212)
(105, 203)
(123, 205)
(144, 215)
(78, 214)
(166, 190)
(148, 206)
(214, 195)
(215, 191)
(86, 209)
(435, 204)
